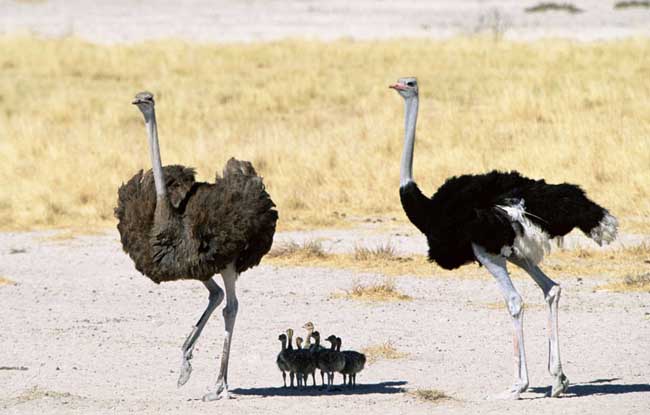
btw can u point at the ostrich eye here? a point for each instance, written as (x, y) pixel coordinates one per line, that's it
(411, 83)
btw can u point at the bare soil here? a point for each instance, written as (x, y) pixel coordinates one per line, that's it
(83, 332)
(254, 20)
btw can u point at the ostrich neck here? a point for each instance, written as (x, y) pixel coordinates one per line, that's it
(308, 340)
(415, 204)
(290, 342)
(410, 121)
(284, 345)
(154, 152)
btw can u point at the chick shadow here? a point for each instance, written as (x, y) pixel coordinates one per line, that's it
(389, 387)
(596, 387)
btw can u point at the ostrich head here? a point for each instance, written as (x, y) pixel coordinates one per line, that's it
(406, 87)
(144, 101)
(290, 332)
(282, 337)
(316, 336)
(309, 326)
(299, 342)
(331, 339)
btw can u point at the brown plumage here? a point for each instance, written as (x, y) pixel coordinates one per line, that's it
(174, 227)
(207, 226)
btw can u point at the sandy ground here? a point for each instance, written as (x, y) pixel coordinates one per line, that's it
(252, 20)
(83, 332)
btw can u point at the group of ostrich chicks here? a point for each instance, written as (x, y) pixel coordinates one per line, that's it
(307, 357)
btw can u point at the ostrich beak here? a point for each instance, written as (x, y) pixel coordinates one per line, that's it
(398, 87)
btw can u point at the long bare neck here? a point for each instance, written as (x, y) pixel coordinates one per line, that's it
(154, 152)
(290, 342)
(410, 121)
(284, 345)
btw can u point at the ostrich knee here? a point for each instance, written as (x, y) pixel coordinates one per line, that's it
(515, 305)
(230, 313)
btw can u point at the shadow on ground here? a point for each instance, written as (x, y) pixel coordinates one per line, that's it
(597, 387)
(365, 389)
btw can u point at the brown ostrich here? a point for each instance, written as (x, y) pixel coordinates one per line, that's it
(175, 228)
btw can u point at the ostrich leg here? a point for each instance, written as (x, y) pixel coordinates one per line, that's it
(496, 265)
(215, 298)
(551, 292)
(229, 315)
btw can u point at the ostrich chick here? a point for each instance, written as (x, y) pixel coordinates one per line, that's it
(330, 361)
(354, 363)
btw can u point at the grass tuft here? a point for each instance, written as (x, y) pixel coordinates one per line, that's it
(384, 351)
(6, 281)
(384, 291)
(311, 249)
(381, 252)
(430, 395)
(550, 6)
(632, 4)
(631, 283)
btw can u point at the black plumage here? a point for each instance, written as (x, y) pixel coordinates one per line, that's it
(496, 218)
(465, 210)
(202, 227)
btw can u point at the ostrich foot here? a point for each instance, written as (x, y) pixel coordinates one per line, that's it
(186, 370)
(560, 385)
(220, 393)
(512, 394)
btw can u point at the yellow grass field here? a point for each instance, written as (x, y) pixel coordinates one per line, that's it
(318, 121)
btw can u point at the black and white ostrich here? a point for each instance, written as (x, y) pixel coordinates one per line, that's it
(175, 228)
(498, 217)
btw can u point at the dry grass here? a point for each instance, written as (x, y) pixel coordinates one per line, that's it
(384, 351)
(554, 7)
(297, 252)
(430, 395)
(382, 252)
(631, 283)
(6, 281)
(318, 120)
(621, 5)
(379, 292)
(381, 259)
(613, 264)
(617, 263)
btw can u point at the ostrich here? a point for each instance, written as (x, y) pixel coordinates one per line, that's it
(281, 359)
(175, 228)
(498, 217)
(354, 363)
(330, 360)
(303, 362)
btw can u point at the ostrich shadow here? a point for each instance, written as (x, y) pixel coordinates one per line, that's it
(596, 387)
(360, 389)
